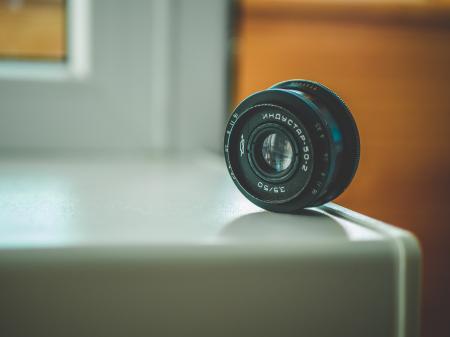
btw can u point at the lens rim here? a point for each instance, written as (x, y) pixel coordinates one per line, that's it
(339, 111)
(256, 160)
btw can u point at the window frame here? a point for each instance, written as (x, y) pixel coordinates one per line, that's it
(161, 110)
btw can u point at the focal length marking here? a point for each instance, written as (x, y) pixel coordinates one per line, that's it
(271, 188)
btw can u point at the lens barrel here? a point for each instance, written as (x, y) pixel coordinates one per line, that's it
(292, 146)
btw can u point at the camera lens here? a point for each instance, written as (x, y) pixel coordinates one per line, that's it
(292, 146)
(277, 152)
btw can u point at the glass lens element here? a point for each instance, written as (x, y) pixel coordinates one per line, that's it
(277, 152)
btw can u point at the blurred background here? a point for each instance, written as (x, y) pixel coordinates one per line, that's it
(389, 60)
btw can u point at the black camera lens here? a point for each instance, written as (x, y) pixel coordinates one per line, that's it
(292, 146)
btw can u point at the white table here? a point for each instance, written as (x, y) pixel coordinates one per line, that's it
(134, 246)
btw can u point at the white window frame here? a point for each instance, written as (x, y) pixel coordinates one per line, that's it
(76, 66)
(127, 83)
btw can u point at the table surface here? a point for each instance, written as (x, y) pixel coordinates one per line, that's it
(158, 201)
(127, 230)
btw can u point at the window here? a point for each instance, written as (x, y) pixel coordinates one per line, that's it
(33, 29)
(130, 75)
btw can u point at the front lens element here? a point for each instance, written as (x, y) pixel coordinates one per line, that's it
(277, 152)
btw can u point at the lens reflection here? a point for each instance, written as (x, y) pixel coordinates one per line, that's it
(277, 152)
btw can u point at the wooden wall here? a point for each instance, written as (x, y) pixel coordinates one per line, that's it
(391, 64)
